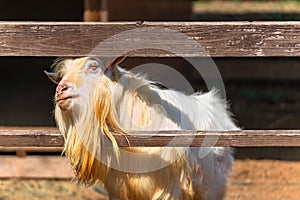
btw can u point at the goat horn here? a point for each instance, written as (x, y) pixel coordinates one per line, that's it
(55, 77)
(114, 62)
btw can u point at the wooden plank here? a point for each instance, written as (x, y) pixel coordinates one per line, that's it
(245, 138)
(40, 167)
(50, 137)
(220, 39)
(29, 136)
(31, 149)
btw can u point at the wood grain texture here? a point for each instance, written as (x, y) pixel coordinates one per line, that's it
(50, 137)
(30, 136)
(220, 39)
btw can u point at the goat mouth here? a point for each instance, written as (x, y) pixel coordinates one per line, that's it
(62, 99)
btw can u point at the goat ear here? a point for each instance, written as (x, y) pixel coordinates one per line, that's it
(54, 77)
(114, 62)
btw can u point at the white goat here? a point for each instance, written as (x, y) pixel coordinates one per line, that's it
(94, 100)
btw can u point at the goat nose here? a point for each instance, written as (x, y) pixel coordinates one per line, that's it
(62, 87)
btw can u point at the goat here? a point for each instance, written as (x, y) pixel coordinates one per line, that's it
(94, 99)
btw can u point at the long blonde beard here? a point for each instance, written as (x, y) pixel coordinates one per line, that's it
(87, 168)
(84, 134)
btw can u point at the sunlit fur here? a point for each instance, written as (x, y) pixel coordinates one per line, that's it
(110, 103)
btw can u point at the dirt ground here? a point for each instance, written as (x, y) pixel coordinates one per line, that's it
(251, 179)
(264, 179)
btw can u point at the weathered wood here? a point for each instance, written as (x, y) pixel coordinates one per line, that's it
(220, 39)
(245, 138)
(50, 137)
(31, 149)
(30, 136)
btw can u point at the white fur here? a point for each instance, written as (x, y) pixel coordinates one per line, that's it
(183, 112)
(205, 168)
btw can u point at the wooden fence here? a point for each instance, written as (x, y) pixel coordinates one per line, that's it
(220, 39)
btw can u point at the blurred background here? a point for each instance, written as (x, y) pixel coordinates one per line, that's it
(264, 93)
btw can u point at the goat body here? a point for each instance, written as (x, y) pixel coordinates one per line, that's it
(94, 100)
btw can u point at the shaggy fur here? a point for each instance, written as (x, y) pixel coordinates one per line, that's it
(111, 100)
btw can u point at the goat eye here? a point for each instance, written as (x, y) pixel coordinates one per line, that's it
(93, 67)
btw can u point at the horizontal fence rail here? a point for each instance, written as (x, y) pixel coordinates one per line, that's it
(219, 39)
(51, 137)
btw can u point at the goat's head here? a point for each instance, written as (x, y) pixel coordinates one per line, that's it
(76, 79)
